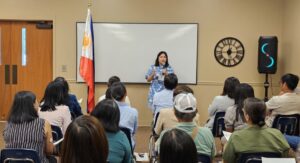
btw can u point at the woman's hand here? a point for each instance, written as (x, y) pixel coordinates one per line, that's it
(150, 77)
(164, 72)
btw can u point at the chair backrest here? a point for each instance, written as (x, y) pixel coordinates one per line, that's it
(287, 124)
(154, 123)
(256, 157)
(203, 158)
(56, 133)
(16, 155)
(128, 134)
(219, 124)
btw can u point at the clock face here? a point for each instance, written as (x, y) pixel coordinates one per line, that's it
(229, 51)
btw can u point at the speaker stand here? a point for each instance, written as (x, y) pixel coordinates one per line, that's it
(266, 85)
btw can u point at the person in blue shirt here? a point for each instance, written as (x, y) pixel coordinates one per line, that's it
(164, 98)
(129, 115)
(108, 113)
(70, 99)
(156, 74)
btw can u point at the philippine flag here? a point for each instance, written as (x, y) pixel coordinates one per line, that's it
(87, 61)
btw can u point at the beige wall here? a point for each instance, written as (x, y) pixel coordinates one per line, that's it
(290, 43)
(243, 19)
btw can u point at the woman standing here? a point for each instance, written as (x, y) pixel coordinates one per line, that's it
(156, 74)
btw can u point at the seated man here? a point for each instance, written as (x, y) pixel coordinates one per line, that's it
(287, 102)
(164, 98)
(185, 111)
(167, 119)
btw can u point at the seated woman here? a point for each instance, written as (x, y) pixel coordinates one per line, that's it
(53, 109)
(257, 137)
(70, 99)
(107, 111)
(234, 118)
(128, 114)
(26, 130)
(85, 142)
(177, 147)
(222, 102)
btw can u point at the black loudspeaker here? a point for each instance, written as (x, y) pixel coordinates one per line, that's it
(267, 54)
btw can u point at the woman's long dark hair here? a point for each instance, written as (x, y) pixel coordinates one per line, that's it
(242, 91)
(108, 113)
(85, 141)
(63, 81)
(53, 96)
(176, 147)
(229, 86)
(22, 109)
(157, 58)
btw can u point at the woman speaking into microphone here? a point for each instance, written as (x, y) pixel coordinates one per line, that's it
(156, 74)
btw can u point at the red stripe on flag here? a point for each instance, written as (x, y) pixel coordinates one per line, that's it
(87, 73)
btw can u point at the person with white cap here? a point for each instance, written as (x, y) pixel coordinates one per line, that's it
(185, 108)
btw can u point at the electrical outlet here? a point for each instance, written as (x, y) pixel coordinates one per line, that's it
(64, 68)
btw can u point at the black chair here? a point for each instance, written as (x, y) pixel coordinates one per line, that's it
(256, 157)
(287, 124)
(154, 123)
(128, 134)
(219, 124)
(56, 133)
(203, 158)
(10, 155)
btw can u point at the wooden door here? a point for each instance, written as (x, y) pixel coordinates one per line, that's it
(31, 59)
(5, 68)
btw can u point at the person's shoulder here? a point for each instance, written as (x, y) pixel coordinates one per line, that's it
(133, 110)
(72, 96)
(231, 108)
(204, 129)
(63, 108)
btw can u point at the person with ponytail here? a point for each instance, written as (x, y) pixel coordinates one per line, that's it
(234, 117)
(256, 137)
(128, 114)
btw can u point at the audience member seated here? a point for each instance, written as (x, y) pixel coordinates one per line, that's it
(256, 137)
(234, 117)
(24, 129)
(110, 82)
(164, 98)
(85, 142)
(287, 102)
(222, 102)
(70, 99)
(177, 147)
(167, 119)
(185, 110)
(52, 106)
(129, 115)
(107, 111)
(293, 141)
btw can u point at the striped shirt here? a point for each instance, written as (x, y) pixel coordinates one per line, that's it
(28, 135)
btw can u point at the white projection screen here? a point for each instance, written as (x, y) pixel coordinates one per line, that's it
(128, 50)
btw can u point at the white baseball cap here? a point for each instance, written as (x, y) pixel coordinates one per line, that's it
(185, 103)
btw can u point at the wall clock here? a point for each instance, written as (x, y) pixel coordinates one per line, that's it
(229, 51)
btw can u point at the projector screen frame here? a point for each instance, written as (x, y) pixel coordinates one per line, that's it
(139, 83)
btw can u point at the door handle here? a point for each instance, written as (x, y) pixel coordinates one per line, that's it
(6, 74)
(15, 74)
